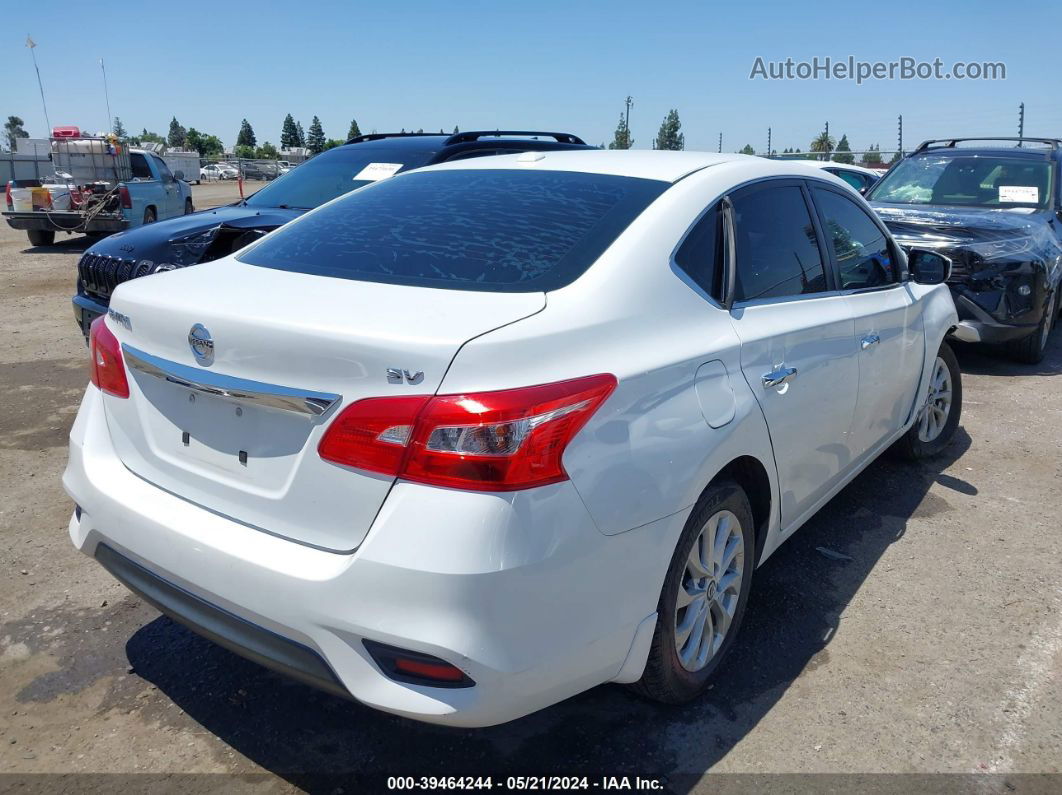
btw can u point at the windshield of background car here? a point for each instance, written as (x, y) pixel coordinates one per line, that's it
(332, 174)
(968, 180)
(468, 229)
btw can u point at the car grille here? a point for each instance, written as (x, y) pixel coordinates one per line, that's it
(100, 274)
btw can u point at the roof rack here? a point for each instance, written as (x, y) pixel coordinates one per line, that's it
(949, 143)
(357, 139)
(475, 135)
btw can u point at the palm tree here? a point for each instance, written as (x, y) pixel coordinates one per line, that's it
(823, 143)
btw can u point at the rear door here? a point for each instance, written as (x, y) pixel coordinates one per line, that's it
(888, 321)
(798, 349)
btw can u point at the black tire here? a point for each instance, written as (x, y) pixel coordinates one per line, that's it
(1030, 349)
(188, 208)
(41, 237)
(914, 449)
(664, 678)
(150, 216)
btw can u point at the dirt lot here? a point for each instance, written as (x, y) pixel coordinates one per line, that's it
(930, 642)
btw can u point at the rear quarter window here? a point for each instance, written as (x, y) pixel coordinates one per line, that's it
(491, 230)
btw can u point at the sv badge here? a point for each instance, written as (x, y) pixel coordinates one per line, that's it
(396, 376)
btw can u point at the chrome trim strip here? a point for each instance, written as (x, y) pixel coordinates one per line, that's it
(299, 401)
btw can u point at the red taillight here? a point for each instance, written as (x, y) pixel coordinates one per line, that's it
(123, 194)
(108, 369)
(7, 196)
(487, 441)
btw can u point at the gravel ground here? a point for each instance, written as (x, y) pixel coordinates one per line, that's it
(931, 643)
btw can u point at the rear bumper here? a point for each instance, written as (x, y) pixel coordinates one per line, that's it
(64, 221)
(520, 591)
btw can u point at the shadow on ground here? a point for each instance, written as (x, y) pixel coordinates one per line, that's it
(312, 739)
(64, 244)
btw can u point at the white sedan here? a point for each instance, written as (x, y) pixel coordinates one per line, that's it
(475, 438)
(217, 171)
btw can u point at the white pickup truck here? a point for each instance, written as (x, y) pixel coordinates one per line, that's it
(111, 187)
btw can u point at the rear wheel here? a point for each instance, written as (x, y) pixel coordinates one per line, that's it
(941, 408)
(1030, 349)
(41, 237)
(149, 215)
(704, 596)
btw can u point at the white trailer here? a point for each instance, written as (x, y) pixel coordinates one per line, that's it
(188, 162)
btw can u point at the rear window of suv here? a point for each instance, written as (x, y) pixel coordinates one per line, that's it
(466, 229)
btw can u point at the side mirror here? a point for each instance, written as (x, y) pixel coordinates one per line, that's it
(178, 174)
(928, 267)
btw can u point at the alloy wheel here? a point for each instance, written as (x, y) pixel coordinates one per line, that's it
(934, 414)
(708, 594)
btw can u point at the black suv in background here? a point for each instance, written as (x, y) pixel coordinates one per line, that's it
(211, 234)
(993, 205)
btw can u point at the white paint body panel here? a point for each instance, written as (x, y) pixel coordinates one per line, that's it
(535, 594)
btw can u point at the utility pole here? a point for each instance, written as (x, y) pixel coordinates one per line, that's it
(827, 142)
(899, 139)
(1021, 122)
(720, 142)
(768, 142)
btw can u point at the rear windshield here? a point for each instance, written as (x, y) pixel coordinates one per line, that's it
(334, 173)
(468, 229)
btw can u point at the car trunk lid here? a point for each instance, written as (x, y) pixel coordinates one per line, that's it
(237, 431)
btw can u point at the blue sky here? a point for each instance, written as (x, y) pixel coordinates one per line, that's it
(544, 65)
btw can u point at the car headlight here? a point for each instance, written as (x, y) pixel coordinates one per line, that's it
(189, 250)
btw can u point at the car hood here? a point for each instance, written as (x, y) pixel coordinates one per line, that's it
(151, 241)
(990, 233)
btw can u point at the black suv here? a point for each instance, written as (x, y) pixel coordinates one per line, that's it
(211, 234)
(993, 205)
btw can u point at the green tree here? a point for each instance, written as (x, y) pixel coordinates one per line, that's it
(289, 133)
(670, 135)
(872, 157)
(246, 135)
(146, 137)
(456, 131)
(355, 130)
(332, 143)
(243, 151)
(205, 145)
(266, 152)
(896, 157)
(119, 129)
(301, 132)
(621, 139)
(747, 150)
(844, 151)
(315, 139)
(822, 143)
(13, 130)
(177, 134)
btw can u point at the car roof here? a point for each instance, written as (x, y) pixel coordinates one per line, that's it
(666, 166)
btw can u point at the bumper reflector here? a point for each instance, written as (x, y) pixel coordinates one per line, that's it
(416, 668)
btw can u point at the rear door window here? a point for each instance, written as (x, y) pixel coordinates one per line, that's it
(777, 249)
(468, 229)
(139, 163)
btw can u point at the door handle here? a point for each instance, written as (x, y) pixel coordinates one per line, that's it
(783, 375)
(869, 340)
